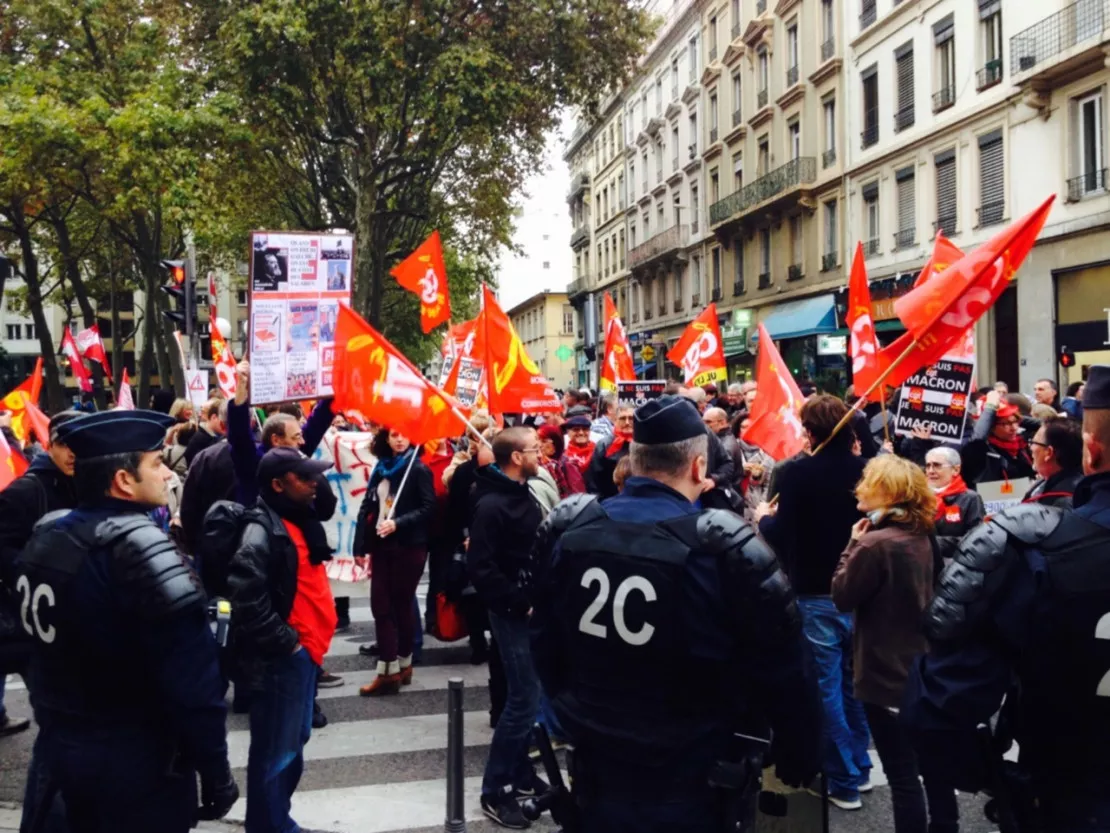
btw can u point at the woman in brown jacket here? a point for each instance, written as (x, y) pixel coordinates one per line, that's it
(885, 577)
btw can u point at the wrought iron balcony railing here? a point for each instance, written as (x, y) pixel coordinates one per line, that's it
(765, 280)
(716, 296)
(829, 261)
(738, 287)
(869, 14)
(903, 118)
(794, 272)
(828, 158)
(992, 213)
(870, 134)
(1092, 182)
(1083, 21)
(946, 225)
(905, 239)
(871, 247)
(737, 117)
(828, 49)
(760, 6)
(792, 76)
(797, 172)
(989, 75)
(944, 98)
(665, 241)
(761, 99)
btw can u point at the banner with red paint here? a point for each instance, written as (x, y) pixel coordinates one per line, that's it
(700, 352)
(424, 274)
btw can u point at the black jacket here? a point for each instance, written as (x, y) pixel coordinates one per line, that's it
(414, 513)
(816, 512)
(599, 474)
(41, 490)
(957, 516)
(1056, 490)
(262, 580)
(460, 502)
(984, 463)
(502, 532)
(198, 442)
(211, 478)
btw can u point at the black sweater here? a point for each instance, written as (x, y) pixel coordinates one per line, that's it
(414, 512)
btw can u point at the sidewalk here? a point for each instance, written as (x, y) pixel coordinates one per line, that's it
(10, 813)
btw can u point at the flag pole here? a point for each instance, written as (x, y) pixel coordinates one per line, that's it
(882, 406)
(404, 480)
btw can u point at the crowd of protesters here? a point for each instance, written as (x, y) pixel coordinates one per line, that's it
(862, 530)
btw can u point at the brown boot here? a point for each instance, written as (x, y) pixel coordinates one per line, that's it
(382, 685)
(406, 676)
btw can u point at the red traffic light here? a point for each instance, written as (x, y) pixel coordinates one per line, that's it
(1067, 357)
(176, 268)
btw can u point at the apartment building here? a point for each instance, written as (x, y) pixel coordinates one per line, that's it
(546, 326)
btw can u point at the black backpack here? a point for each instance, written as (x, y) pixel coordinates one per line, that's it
(219, 538)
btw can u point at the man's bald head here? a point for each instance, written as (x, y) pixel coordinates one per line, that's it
(716, 419)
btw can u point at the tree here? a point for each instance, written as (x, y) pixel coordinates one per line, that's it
(392, 119)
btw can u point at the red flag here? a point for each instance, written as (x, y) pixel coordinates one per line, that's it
(372, 376)
(92, 348)
(423, 272)
(457, 344)
(16, 402)
(76, 363)
(125, 401)
(617, 366)
(945, 253)
(222, 360)
(12, 464)
(864, 348)
(515, 382)
(700, 352)
(40, 423)
(776, 426)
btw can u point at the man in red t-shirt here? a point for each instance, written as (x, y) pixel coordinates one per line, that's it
(284, 619)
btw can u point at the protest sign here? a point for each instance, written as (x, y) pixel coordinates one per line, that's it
(196, 380)
(469, 384)
(297, 280)
(348, 478)
(937, 396)
(999, 494)
(635, 394)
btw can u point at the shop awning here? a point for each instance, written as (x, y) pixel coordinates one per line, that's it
(797, 319)
(889, 325)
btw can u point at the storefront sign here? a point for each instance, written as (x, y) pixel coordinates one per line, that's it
(635, 394)
(734, 340)
(832, 345)
(936, 398)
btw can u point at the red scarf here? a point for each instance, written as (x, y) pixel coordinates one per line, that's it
(620, 440)
(956, 487)
(1012, 448)
(580, 454)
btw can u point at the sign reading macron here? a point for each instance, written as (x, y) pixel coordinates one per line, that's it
(635, 394)
(936, 398)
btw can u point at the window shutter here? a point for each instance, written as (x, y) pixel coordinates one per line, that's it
(946, 191)
(944, 30)
(988, 8)
(907, 213)
(905, 81)
(992, 183)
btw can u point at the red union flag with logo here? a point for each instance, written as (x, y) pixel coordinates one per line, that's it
(92, 348)
(222, 360)
(863, 347)
(423, 273)
(16, 402)
(700, 352)
(516, 385)
(617, 366)
(76, 362)
(373, 377)
(776, 426)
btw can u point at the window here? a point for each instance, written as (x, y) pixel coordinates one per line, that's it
(13, 332)
(867, 13)
(764, 156)
(621, 196)
(1090, 152)
(693, 208)
(990, 33)
(643, 109)
(764, 258)
(241, 297)
(674, 78)
(907, 209)
(992, 176)
(828, 28)
(737, 109)
(946, 192)
(792, 55)
(632, 179)
(737, 173)
(693, 135)
(831, 244)
(903, 68)
(622, 247)
(738, 266)
(713, 124)
(645, 160)
(659, 95)
(871, 218)
(712, 39)
(647, 225)
(632, 233)
(829, 110)
(547, 264)
(714, 185)
(695, 278)
(794, 137)
(944, 38)
(870, 79)
(606, 260)
(678, 288)
(735, 17)
(764, 75)
(716, 267)
(660, 225)
(29, 332)
(692, 47)
(796, 246)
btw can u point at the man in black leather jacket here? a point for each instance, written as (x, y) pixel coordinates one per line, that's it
(659, 630)
(111, 605)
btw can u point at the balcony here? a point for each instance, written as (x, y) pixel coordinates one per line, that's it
(760, 6)
(738, 288)
(765, 280)
(828, 49)
(761, 99)
(829, 261)
(946, 225)
(989, 76)
(578, 184)
(868, 16)
(635, 318)
(695, 302)
(678, 305)
(662, 308)
(648, 314)
(828, 158)
(737, 117)
(581, 235)
(716, 296)
(903, 119)
(1063, 46)
(1092, 182)
(577, 288)
(792, 76)
(783, 183)
(905, 239)
(944, 98)
(870, 135)
(992, 213)
(871, 247)
(794, 272)
(666, 243)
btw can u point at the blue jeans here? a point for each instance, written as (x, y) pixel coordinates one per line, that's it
(281, 722)
(43, 808)
(508, 753)
(829, 632)
(549, 721)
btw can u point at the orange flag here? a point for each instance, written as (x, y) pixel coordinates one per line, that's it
(945, 253)
(27, 392)
(863, 348)
(515, 383)
(776, 426)
(423, 272)
(373, 377)
(12, 464)
(617, 366)
(700, 352)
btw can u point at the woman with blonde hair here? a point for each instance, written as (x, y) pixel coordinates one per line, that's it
(885, 577)
(182, 410)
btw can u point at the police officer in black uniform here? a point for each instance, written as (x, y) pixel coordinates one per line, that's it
(124, 678)
(660, 630)
(1024, 612)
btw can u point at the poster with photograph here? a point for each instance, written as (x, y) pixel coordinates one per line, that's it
(297, 280)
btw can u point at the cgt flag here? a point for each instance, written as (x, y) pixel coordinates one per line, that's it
(700, 352)
(776, 426)
(617, 366)
(373, 377)
(863, 347)
(16, 402)
(222, 360)
(92, 348)
(516, 385)
(423, 273)
(76, 362)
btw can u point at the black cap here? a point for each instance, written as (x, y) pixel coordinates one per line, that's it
(61, 418)
(113, 432)
(668, 419)
(577, 422)
(280, 461)
(1096, 396)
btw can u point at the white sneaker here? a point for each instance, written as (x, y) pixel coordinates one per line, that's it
(843, 804)
(866, 786)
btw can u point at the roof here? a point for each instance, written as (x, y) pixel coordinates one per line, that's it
(528, 303)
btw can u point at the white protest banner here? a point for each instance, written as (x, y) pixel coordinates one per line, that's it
(350, 452)
(936, 397)
(469, 384)
(297, 280)
(196, 382)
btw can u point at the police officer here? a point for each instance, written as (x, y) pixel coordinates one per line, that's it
(658, 631)
(123, 676)
(1024, 612)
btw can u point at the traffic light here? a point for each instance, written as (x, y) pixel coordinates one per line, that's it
(182, 289)
(1067, 357)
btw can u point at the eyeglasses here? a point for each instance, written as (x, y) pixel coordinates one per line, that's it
(1042, 445)
(533, 450)
(937, 466)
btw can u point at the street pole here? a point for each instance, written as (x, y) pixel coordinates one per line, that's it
(191, 301)
(456, 812)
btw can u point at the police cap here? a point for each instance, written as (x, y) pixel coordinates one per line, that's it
(114, 432)
(1096, 396)
(668, 419)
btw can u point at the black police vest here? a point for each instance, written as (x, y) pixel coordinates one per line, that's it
(633, 690)
(80, 672)
(1063, 714)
